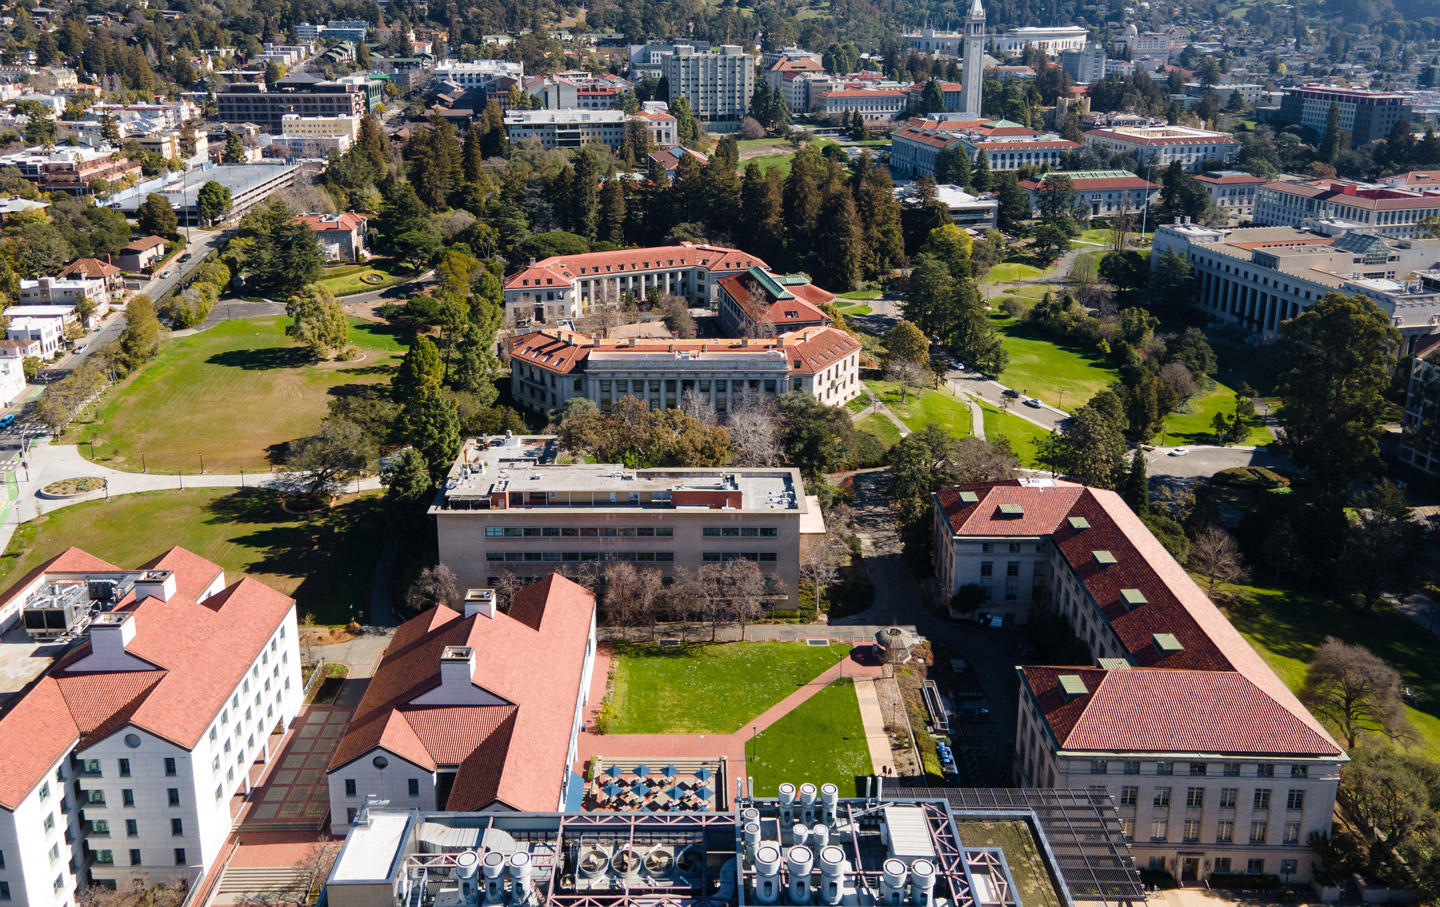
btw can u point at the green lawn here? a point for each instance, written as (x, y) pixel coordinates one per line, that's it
(343, 280)
(925, 406)
(856, 310)
(1021, 433)
(1286, 624)
(1016, 270)
(709, 689)
(781, 159)
(1195, 426)
(880, 427)
(234, 393)
(821, 741)
(325, 561)
(374, 335)
(861, 294)
(1091, 237)
(1042, 368)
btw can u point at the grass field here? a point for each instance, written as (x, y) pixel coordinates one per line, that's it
(821, 741)
(1042, 368)
(880, 427)
(780, 160)
(856, 310)
(1287, 624)
(709, 689)
(234, 393)
(1195, 427)
(324, 561)
(1015, 270)
(861, 294)
(1021, 433)
(925, 406)
(343, 280)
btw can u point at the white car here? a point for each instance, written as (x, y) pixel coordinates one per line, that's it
(165, 275)
(1179, 452)
(1032, 403)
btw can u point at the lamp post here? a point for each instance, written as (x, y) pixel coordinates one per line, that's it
(202, 464)
(143, 467)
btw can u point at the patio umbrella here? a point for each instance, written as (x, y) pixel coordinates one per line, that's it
(704, 774)
(640, 789)
(675, 792)
(669, 771)
(704, 793)
(642, 770)
(612, 789)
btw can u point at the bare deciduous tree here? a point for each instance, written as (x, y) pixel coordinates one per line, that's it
(436, 585)
(821, 560)
(1356, 691)
(1179, 379)
(506, 585)
(908, 375)
(1215, 555)
(699, 408)
(745, 587)
(631, 595)
(688, 598)
(754, 428)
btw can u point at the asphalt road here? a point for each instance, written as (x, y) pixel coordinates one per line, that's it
(1206, 461)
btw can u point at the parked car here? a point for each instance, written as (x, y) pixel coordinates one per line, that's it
(1032, 403)
(185, 257)
(82, 347)
(7, 420)
(165, 274)
(1010, 392)
(1179, 451)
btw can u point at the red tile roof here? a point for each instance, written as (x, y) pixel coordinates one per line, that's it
(1233, 179)
(1156, 140)
(323, 223)
(1172, 604)
(762, 307)
(564, 352)
(562, 269)
(199, 651)
(140, 245)
(92, 268)
(863, 93)
(531, 658)
(1093, 185)
(813, 350)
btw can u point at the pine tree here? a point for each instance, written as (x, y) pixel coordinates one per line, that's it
(976, 340)
(611, 225)
(420, 369)
(980, 177)
(838, 259)
(234, 149)
(1335, 139)
(373, 142)
(761, 218)
(585, 195)
(879, 212)
(494, 141)
(722, 186)
(471, 155)
(1137, 484)
(687, 128)
(1014, 204)
(432, 427)
(760, 103)
(802, 202)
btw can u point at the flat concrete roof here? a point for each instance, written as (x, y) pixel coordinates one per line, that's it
(370, 850)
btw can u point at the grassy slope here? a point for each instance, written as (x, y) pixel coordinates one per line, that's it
(880, 427)
(821, 741)
(1286, 625)
(1042, 368)
(324, 561)
(1021, 433)
(709, 689)
(343, 280)
(233, 393)
(1195, 426)
(923, 407)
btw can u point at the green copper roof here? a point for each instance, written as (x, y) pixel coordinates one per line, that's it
(771, 285)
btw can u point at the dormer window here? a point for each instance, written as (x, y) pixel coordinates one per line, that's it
(1103, 558)
(1133, 598)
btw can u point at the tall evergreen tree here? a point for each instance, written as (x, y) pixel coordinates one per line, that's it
(585, 195)
(494, 141)
(879, 212)
(980, 177)
(761, 217)
(611, 224)
(722, 186)
(838, 258)
(802, 202)
(687, 127)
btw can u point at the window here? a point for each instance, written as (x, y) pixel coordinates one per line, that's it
(1292, 832)
(124, 768)
(54, 852)
(1197, 768)
(4, 891)
(49, 821)
(1262, 798)
(1132, 767)
(1258, 830)
(1295, 799)
(1195, 796)
(349, 787)
(1299, 771)
(1192, 829)
(1225, 832)
(414, 784)
(127, 797)
(1128, 795)
(350, 813)
(1162, 796)
(132, 828)
(987, 568)
(1098, 766)
(1222, 864)
(1164, 768)
(45, 792)
(1255, 866)
(173, 795)
(1264, 771)
(107, 857)
(1127, 827)
(1228, 796)
(95, 797)
(100, 827)
(177, 828)
(170, 766)
(180, 856)
(1159, 829)
(1232, 769)
(1012, 568)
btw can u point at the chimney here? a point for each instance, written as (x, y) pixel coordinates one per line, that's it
(110, 633)
(480, 601)
(155, 584)
(457, 668)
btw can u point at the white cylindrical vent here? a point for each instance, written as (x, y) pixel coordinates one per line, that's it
(466, 865)
(819, 837)
(787, 794)
(892, 882)
(922, 883)
(492, 867)
(767, 873)
(798, 863)
(807, 795)
(519, 870)
(829, 797)
(832, 875)
(751, 832)
(748, 815)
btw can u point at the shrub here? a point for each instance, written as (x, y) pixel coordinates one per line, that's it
(1159, 878)
(1015, 307)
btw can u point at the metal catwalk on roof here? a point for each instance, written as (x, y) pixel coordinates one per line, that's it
(1082, 829)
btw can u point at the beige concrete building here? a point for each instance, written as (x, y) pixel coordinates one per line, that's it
(508, 507)
(296, 125)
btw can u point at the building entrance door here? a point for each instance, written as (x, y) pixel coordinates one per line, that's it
(1189, 869)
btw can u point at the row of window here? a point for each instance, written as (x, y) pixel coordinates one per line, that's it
(758, 557)
(581, 532)
(1224, 831)
(412, 785)
(91, 768)
(570, 557)
(107, 858)
(1196, 769)
(127, 798)
(1195, 797)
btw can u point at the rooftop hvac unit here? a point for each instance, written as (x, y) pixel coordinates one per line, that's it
(767, 873)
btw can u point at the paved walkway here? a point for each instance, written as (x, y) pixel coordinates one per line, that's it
(632, 747)
(874, 721)
(878, 407)
(292, 792)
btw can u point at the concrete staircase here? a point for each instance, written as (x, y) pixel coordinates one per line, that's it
(278, 885)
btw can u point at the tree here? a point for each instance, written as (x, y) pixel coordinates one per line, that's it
(420, 371)
(432, 427)
(739, 590)
(927, 294)
(972, 333)
(322, 463)
(212, 202)
(1013, 205)
(755, 431)
(141, 338)
(434, 587)
(1216, 556)
(1126, 271)
(907, 342)
(1090, 448)
(1181, 195)
(1335, 140)
(1337, 358)
(318, 321)
(1357, 692)
(1136, 490)
(1383, 547)
(1393, 795)
(687, 127)
(234, 149)
(980, 177)
(678, 320)
(908, 374)
(156, 217)
(838, 259)
(408, 489)
(821, 560)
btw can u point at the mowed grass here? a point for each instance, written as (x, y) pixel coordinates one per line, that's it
(1041, 368)
(1015, 270)
(822, 740)
(1286, 624)
(325, 561)
(344, 280)
(925, 406)
(860, 309)
(861, 294)
(780, 160)
(1021, 433)
(235, 393)
(880, 427)
(709, 689)
(1196, 426)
